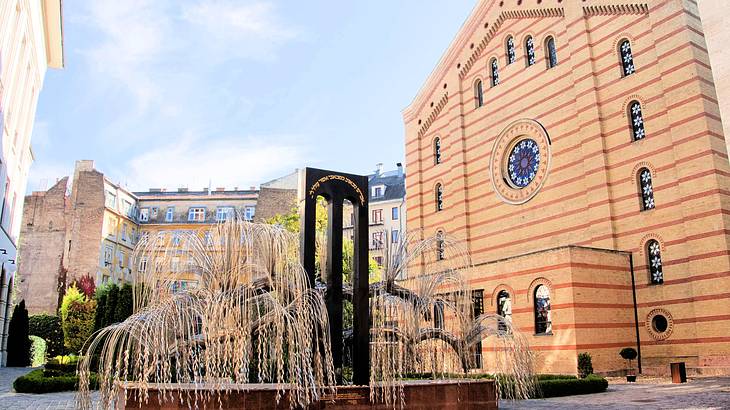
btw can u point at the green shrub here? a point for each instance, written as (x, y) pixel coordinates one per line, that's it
(18, 342)
(123, 309)
(78, 324)
(111, 305)
(100, 314)
(49, 328)
(569, 387)
(585, 365)
(37, 351)
(72, 295)
(555, 377)
(36, 382)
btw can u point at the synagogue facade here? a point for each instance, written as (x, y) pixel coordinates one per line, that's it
(577, 150)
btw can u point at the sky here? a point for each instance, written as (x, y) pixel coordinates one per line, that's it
(225, 93)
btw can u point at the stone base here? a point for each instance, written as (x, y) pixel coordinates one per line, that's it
(464, 394)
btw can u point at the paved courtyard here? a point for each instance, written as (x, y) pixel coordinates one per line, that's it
(702, 393)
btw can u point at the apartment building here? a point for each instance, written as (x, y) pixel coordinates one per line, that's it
(31, 41)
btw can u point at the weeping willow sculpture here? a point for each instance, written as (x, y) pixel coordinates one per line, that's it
(252, 318)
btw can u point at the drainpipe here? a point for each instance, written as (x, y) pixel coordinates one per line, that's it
(636, 313)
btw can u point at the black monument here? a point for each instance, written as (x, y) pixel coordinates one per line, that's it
(335, 188)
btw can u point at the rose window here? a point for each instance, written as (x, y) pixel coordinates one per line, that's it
(523, 163)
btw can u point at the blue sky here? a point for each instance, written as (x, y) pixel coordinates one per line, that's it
(168, 93)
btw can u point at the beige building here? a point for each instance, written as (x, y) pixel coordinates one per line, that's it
(93, 228)
(577, 149)
(386, 200)
(31, 40)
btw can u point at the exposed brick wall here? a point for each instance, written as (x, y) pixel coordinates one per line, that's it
(274, 201)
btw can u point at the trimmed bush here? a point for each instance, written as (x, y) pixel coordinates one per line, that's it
(36, 382)
(100, 314)
(72, 295)
(110, 308)
(37, 351)
(585, 365)
(541, 377)
(78, 324)
(49, 328)
(569, 387)
(123, 309)
(18, 342)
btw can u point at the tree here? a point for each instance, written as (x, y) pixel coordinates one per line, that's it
(629, 354)
(86, 285)
(79, 324)
(585, 365)
(48, 327)
(110, 308)
(124, 304)
(100, 314)
(18, 341)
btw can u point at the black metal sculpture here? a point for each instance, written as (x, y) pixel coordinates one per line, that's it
(335, 188)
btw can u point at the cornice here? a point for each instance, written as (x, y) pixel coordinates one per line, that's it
(434, 114)
(615, 9)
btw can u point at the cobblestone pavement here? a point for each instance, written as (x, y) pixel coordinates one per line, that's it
(700, 393)
(19, 401)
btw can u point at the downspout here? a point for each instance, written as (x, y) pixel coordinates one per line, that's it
(636, 313)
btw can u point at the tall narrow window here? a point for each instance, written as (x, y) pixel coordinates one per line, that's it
(530, 51)
(551, 52)
(440, 246)
(438, 314)
(647, 189)
(439, 197)
(437, 151)
(479, 93)
(627, 60)
(477, 301)
(638, 131)
(511, 54)
(495, 72)
(654, 260)
(543, 323)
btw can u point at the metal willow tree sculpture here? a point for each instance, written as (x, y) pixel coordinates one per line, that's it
(254, 318)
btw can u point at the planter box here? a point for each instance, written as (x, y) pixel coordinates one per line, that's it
(462, 394)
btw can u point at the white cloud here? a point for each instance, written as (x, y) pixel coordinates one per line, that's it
(44, 174)
(196, 162)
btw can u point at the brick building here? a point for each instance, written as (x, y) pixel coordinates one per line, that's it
(94, 228)
(577, 149)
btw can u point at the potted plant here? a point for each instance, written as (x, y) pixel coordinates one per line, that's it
(629, 354)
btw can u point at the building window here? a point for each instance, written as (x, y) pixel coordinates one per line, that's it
(495, 72)
(523, 163)
(654, 260)
(543, 324)
(153, 212)
(144, 215)
(144, 236)
(477, 301)
(121, 256)
(124, 232)
(439, 197)
(530, 51)
(638, 132)
(108, 252)
(176, 238)
(479, 93)
(440, 246)
(511, 54)
(394, 213)
(249, 213)
(142, 265)
(377, 216)
(627, 59)
(127, 208)
(111, 199)
(646, 188)
(170, 214)
(437, 151)
(551, 52)
(438, 314)
(377, 240)
(378, 191)
(378, 260)
(394, 236)
(504, 305)
(224, 213)
(196, 214)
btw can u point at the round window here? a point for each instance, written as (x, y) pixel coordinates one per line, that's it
(523, 163)
(659, 323)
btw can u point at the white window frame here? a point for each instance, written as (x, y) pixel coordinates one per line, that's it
(142, 265)
(108, 254)
(153, 212)
(249, 213)
(196, 214)
(224, 213)
(170, 214)
(144, 214)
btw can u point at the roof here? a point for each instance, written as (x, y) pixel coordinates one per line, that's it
(395, 185)
(234, 194)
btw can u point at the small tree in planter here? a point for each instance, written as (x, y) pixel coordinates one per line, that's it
(629, 354)
(585, 365)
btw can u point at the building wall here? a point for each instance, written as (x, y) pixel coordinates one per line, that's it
(589, 194)
(30, 42)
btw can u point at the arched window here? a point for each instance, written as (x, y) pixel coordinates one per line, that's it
(504, 307)
(551, 52)
(654, 260)
(440, 246)
(530, 51)
(437, 151)
(627, 60)
(646, 188)
(479, 93)
(511, 54)
(638, 132)
(543, 324)
(439, 197)
(495, 72)
(438, 314)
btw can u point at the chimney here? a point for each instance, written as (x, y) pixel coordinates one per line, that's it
(155, 189)
(378, 168)
(253, 187)
(400, 169)
(220, 189)
(182, 190)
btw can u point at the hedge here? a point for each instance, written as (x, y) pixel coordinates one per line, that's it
(36, 382)
(574, 386)
(48, 327)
